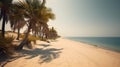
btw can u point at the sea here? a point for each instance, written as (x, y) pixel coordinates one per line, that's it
(111, 43)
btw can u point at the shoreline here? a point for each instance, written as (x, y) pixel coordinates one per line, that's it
(98, 46)
(66, 53)
(105, 48)
(95, 46)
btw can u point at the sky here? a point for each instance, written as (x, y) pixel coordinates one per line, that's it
(86, 17)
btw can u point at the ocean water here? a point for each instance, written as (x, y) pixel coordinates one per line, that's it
(111, 43)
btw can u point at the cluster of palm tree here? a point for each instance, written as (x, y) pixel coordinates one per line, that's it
(32, 13)
(51, 34)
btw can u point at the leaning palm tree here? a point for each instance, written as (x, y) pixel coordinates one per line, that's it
(4, 12)
(34, 12)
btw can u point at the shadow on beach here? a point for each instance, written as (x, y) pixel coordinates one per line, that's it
(45, 55)
(44, 45)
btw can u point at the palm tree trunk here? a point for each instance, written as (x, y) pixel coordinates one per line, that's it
(25, 39)
(35, 34)
(3, 25)
(18, 36)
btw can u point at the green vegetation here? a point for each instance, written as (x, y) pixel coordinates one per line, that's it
(6, 45)
(30, 37)
(31, 13)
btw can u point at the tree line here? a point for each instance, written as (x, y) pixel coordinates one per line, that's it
(31, 13)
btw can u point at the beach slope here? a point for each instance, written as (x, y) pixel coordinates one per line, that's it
(66, 53)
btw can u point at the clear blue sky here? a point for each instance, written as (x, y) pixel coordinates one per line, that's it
(86, 17)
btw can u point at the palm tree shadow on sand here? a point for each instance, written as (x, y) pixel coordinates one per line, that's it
(44, 45)
(45, 55)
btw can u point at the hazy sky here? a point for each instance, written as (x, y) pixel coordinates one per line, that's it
(86, 17)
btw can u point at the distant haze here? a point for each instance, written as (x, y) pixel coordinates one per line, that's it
(86, 17)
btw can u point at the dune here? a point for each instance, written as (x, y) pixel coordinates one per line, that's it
(66, 53)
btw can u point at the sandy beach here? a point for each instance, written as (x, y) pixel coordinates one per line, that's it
(66, 53)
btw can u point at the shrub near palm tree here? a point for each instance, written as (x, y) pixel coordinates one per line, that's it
(6, 45)
(31, 40)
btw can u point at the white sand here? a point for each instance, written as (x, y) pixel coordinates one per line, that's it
(66, 53)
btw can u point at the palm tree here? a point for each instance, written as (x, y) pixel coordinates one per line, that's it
(52, 33)
(45, 31)
(37, 16)
(45, 14)
(17, 20)
(4, 12)
(31, 7)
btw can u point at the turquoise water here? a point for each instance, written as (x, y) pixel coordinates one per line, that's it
(112, 43)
